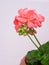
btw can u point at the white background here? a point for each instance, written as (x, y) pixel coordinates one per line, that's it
(12, 46)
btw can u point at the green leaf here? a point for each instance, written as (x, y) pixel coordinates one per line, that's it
(45, 59)
(45, 53)
(33, 57)
(44, 48)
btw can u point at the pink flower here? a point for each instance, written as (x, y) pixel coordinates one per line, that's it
(28, 17)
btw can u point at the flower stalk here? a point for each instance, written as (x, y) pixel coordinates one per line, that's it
(32, 40)
(36, 39)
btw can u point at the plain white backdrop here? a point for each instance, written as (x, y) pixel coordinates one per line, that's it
(12, 46)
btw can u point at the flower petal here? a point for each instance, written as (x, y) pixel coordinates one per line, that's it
(30, 24)
(37, 22)
(23, 12)
(41, 18)
(31, 14)
(17, 24)
(20, 19)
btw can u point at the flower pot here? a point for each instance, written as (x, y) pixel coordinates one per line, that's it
(23, 61)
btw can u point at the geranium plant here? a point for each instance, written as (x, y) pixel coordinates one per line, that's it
(25, 24)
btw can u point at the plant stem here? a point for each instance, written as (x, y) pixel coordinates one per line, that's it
(38, 43)
(32, 41)
(37, 39)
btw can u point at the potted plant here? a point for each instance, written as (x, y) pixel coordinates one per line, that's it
(25, 24)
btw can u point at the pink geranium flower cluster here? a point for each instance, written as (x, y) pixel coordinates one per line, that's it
(28, 17)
